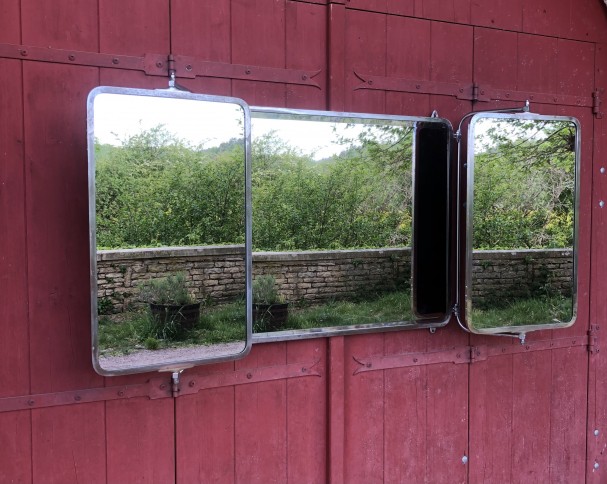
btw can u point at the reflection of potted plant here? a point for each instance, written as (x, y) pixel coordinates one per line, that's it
(170, 302)
(269, 307)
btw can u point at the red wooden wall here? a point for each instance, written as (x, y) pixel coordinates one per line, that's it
(297, 411)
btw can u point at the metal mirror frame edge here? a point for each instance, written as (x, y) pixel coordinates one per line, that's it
(265, 112)
(175, 94)
(520, 330)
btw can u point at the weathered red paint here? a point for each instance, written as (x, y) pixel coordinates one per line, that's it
(517, 415)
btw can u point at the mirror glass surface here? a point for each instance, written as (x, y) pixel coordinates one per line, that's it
(168, 174)
(522, 202)
(333, 215)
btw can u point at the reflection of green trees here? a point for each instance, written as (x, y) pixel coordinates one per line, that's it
(157, 190)
(524, 185)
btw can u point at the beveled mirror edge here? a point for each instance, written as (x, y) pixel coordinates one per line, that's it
(469, 211)
(323, 332)
(171, 94)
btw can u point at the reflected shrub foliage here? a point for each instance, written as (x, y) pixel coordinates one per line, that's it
(155, 190)
(524, 184)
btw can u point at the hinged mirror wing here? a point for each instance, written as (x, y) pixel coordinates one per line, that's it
(521, 216)
(350, 222)
(170, 229)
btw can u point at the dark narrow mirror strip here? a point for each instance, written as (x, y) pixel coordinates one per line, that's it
(431, 221)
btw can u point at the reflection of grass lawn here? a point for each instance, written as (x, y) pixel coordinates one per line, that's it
(127, 332)
(395, 306)
(123, 333)
(546, 310)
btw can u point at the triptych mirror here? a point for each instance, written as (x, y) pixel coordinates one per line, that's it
(214, 224)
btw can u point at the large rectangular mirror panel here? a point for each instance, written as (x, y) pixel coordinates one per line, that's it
(333, 211)
(522, 222)
(170, 236)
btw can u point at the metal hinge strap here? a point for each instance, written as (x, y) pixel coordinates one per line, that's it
(473, 92)
(161, 65)
(596, 103)
(162, 386)
(462, 354)
(593, 339)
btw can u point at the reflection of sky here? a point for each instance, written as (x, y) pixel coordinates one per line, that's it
(318, 139)
(119, 116)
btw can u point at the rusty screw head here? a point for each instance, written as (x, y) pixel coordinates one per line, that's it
(188, 67)
(247, 71)
(163, 386)
(71, 57)
(115, 60)
(414, 360)
(159, 64)
(191, 384)
(77, 398)
(249, 376)
(304, 77)
(370, 82)
(23, 52)
(30, 402)
(121, 393)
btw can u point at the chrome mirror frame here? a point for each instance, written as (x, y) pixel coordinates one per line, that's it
(421, 323)
(178, 365)
(469, 212)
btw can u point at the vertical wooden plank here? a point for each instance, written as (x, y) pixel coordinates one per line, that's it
(537, 63)
(10, 22)
(336, 57)
(364, 412)
(57, 225)
(588, 20)
(491, 437)
(202, 29)
(408, 57)
(14, 344)
(306, 415)
(140, 28)
(531, 418)
(366, 54)
(68, 444)
(258, 38)
(547, 18)
(261, 421)
(568, 415)
(406, 422)
(140, 441)
(206, 433)
(495, 58)
(499, 14)
(336, 411)
(60, 25)
(306, 48)
(16, 445)
(447, 411)
(597, 387)
(15, 427)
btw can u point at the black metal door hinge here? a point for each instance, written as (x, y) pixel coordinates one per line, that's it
(596, 103)
(593, 339)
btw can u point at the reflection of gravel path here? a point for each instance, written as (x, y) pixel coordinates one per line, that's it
(168, 356)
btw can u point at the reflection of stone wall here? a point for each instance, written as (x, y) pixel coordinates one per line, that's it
(216, 273)
(498, 274)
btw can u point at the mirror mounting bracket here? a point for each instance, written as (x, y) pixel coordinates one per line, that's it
(173, 86)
